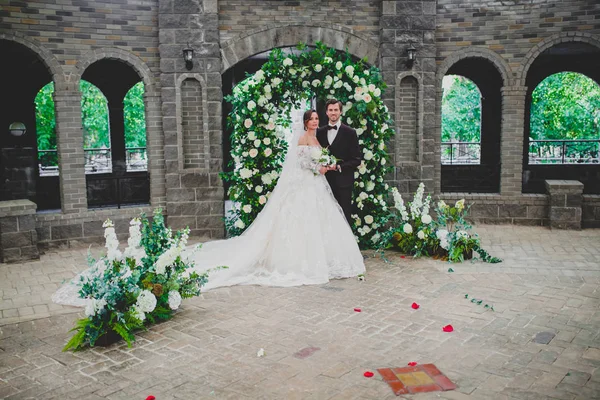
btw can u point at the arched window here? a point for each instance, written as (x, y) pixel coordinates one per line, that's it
(135, 128)
(96, 136)
(565, 120)
(461, 121)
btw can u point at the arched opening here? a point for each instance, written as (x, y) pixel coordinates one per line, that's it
(114, 135)
(23, 80)
(562, 118)
(471, 126)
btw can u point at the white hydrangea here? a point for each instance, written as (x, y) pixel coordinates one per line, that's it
(146, 301)
(137, 313)
(93, 307)
(174, 299)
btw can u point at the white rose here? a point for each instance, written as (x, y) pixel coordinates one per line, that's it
(368, 155)
(377, 92)
(367, 97)
(421, 235)
(371, 87)
(407, 228)
(253, 153)
(426, 219)
(251, 135)
(318, 67)
(360, 131)
(381, 145)
(369, 219)
(287, 62)
(262, 199)
(266, 179)
(363, 195)
(251, 105)
(258, 189)
(305, 84)
(268, 152)
(338, 65)
(370, 186)
(355, 79)
(293, 71)
(275, 82)
(245, 154)
(267, 88)
(245, 173)
(271, 125)
(248, 123)
(257, 143)
(316, 82)
(383, 161)
(239, 224)
(349, 70)
(267, 141)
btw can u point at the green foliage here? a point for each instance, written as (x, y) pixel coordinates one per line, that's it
(135, 116)
(94, 116)
(461, 110)
(565, 105)
(45, 118)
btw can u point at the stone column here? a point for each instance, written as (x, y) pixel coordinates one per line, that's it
(565, 203)
(511, 157)
(69, 138)
(402, 23)
(194, 196)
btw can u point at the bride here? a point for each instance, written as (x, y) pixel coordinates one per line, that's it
(301, 236)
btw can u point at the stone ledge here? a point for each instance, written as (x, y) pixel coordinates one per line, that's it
(11, 208)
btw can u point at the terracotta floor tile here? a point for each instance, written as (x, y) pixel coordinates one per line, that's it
(387, 374)
(424, 388)
(419, 379)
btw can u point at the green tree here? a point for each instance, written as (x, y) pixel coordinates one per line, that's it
(565, 105)
(94, 116)
(45, 119)
(461, 110)
(135, 117)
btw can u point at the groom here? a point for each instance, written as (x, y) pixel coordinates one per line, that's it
(342, 142)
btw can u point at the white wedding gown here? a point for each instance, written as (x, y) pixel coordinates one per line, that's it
(301, 236)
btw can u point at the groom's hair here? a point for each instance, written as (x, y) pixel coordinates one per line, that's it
(333, 101)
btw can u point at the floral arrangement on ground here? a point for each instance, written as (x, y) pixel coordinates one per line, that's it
(125, 291)
(412, 230)
(261, 107)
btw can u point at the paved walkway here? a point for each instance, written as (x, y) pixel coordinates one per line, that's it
(549, 282)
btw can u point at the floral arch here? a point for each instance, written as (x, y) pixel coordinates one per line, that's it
(261, 106)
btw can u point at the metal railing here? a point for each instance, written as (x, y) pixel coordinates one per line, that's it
(461, 153)
(97, 161)
(579, 151)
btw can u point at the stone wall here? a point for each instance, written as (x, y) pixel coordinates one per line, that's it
(239, 16)
(18, 238)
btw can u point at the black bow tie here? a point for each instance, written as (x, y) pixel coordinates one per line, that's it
(333, 127)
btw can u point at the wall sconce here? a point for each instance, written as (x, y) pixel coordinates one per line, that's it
(411, 53)
(188, 57)
(17, 129)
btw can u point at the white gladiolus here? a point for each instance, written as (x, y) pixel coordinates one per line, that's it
(239, 224)
(247, 208)
(174, 299)
(94, 306)
(248, 123)
(253, 153)
(262, 199)
(407, 228)
(460, 204)
(368, 219)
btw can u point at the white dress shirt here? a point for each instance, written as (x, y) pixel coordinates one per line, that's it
(332, 133)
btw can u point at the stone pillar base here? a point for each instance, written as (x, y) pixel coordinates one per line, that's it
(566, 198)
(18, 237)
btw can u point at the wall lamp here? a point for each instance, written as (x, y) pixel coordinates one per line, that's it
(17, 129)
(188, 57)
(411, 53)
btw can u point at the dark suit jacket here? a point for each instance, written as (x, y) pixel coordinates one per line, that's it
(345, 148)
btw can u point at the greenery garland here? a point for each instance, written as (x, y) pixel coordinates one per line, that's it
(262, 104)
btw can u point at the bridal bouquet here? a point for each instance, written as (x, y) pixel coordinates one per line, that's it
(323, 157)
(145, 283)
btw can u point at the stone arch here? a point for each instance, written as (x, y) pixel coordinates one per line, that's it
(404, 141)
(45, 55)
(563, 37)
(179, 108)
(475, 52)
(269, 37)
(113, 53)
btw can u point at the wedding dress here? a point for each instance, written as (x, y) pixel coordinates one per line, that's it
(301, 236)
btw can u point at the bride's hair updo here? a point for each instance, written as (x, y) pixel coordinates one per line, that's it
(306, 117)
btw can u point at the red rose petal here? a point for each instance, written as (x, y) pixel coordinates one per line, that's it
(357, 310)
(448, 328)
(402, 256)
(368, 374)
(412, 363)
(150, 398)
(415, 306)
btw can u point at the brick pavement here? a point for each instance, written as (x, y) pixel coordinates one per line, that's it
(549, 282)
